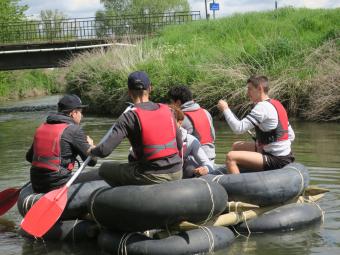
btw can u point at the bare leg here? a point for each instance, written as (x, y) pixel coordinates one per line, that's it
(231, 164)
(247, 159)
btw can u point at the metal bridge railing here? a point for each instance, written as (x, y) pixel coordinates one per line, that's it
(109, 27)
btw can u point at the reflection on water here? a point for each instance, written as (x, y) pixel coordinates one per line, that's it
(316, 146)
(38, 247)
(296, 242)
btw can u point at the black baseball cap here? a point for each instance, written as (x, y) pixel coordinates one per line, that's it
(138, 80)
(69, 103)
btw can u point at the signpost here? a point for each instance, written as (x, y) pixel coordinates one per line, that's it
(206, 10)
(214, 7)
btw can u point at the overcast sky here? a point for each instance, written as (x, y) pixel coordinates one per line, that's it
(87, 8)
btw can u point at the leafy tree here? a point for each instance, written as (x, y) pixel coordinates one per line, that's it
(116, 7)
(133, 16)
(10, 11)
(54, 15)
(151, 6)
(135, 7)
(52, 24)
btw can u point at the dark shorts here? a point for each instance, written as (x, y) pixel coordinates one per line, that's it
(271, 162)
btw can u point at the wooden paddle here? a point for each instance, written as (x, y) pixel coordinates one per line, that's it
(47, 210)
(9, 197)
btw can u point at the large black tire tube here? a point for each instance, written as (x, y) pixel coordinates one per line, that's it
(139, 208)
(265, 187)
(284, 218)
(197, 241)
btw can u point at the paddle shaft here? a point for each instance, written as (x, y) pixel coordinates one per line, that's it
(84, 164)
(74, 176)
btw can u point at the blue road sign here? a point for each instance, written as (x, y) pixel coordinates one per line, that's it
(214, 6)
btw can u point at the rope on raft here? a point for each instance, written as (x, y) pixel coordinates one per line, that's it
(302, 181)
(27, 200)
(217, 178)
(318, 206)
(95, 194)
(73, 231)
(122, 247)
(211, 239)
(211, 213)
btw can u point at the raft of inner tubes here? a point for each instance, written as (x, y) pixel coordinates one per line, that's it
(180, 217)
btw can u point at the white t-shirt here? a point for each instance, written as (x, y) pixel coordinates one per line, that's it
(264, 116)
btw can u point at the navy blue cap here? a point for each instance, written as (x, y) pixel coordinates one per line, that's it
(138, 80)
(69, 103)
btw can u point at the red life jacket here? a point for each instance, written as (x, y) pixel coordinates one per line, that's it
(280, 133)
(158, 130)
(201, 125)
(46, 146)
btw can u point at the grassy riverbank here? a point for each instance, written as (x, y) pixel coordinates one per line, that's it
(28, 83)
(298, 49)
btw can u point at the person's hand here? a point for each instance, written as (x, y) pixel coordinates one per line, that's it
(222, 105)
(90, 141)
(202, 170)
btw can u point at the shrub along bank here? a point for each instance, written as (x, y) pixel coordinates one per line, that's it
(28, 83)
(298, 49)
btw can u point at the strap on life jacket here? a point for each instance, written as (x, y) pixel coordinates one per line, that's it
(155, 148)
(39, 160)
(201, 125)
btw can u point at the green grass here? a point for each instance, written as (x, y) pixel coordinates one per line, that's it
(298, 49)
(28, 83)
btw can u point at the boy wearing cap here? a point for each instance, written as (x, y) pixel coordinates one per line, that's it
(56, 144)
(153, 135)
(198, 121)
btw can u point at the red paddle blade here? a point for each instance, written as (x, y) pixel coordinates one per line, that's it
(44, 213)
(8, 198)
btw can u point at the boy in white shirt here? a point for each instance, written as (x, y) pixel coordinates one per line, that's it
(272, 149)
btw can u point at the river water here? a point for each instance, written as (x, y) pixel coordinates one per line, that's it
(317, 146)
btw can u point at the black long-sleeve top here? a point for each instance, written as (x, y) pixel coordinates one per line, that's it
(127, 125)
